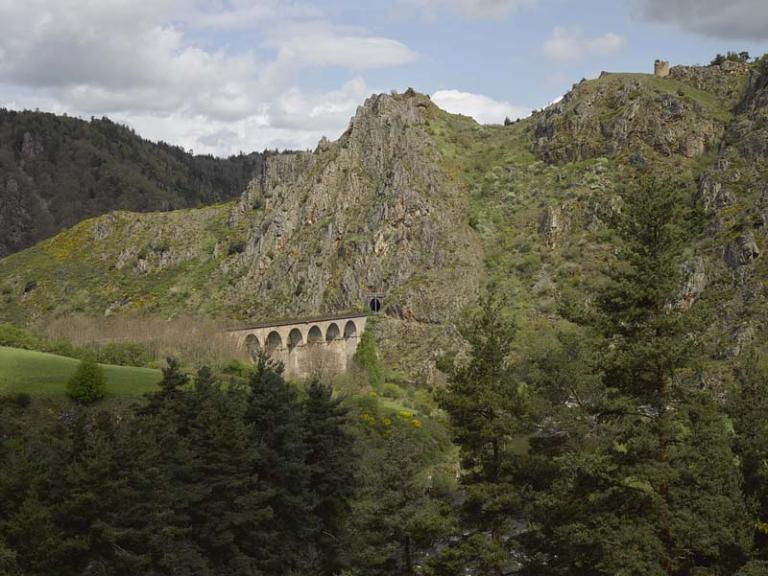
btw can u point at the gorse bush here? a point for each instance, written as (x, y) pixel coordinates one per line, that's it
(88, 383)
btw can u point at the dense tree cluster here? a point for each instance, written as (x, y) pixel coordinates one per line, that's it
(248, 478)
(730, 56)
(632, 467)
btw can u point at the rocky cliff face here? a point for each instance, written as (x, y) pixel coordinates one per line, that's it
(637, 114)
(372, 212)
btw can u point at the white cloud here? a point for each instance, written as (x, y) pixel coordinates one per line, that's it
(731, 19)
(482, 108)
(471, 8)
(567, 44)
(319, 44)
(150, 63)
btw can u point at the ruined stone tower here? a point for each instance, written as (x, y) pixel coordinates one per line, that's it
(661, 68)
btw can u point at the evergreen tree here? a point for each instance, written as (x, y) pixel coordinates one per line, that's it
(8, 566)
(643, 488)
(331, 460)
(393, 514)
(489, 407)
(749, 407)
(275, 419)
(230, 510)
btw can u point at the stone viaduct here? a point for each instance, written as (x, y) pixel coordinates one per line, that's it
(324, 344)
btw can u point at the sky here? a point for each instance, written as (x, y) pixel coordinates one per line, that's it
(225, 76)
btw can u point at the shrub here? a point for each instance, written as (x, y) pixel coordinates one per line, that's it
(87, 384)
(393, 391)
(22, 399)
(732, 56)
(15, 337)
(124, 354)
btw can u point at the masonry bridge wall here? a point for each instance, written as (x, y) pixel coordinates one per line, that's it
(322, 345)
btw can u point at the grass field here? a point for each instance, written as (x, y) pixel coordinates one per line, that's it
(39, 373)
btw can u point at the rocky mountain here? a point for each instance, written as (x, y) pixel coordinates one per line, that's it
(55, 171)
(427, 207)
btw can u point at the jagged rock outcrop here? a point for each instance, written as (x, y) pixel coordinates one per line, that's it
(626, 113)
(726, 80)
(370, 212)
(741, 251)
(694, 282)
(551, 225)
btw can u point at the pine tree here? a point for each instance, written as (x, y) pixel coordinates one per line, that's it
(642, 490)
(230, 510)
(331, 460)
(748, 408)
(8, 566)
(489, 410)
(274, 416)
(392, 513)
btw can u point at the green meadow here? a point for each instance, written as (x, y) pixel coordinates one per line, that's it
(39, 373)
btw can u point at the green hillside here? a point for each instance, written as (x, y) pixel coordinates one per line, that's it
(428, 207)
(57, 170)
(39, 373)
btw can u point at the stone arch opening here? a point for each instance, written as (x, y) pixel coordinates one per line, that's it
(350, 330)
(374, 304)
(274, 342)
(315, 335)
(252, 346)
(295, 338)
(333, 332)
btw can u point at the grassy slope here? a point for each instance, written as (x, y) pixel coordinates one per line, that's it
(46, 374)
(74, 271)
(509, 192)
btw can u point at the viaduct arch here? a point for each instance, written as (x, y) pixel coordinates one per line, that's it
(305, 346)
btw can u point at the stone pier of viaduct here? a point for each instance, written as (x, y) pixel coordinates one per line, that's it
(324, 344)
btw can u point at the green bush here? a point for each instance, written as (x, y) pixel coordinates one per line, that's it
(16, 337)
(124, 354)
(730, 56)
(393, 391)
(88, 383)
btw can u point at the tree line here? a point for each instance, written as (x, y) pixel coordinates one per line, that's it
(254, 478)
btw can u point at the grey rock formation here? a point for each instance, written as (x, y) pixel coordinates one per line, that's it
(372, 211)
(694, 284)
(741, 251)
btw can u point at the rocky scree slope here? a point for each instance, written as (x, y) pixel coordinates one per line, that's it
(55, 171)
